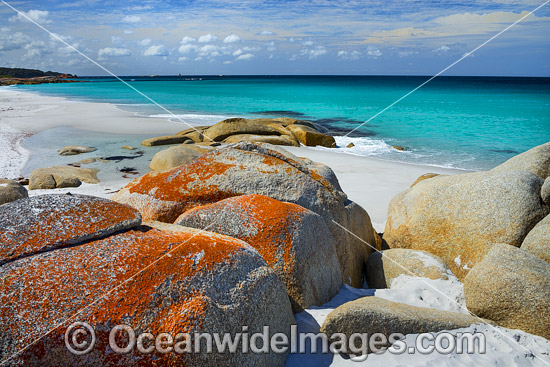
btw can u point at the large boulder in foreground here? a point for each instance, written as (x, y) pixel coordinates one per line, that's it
(116, 272)
(61, 176)
(153, 281)
(294, 241)
(537, 241)
(47, 222)
(11, 190)
(175, 156)
(459, 217)
(512, 288)
(270, 139)
(377, 315)
(384, 266)
(258, 169)
(535, 160)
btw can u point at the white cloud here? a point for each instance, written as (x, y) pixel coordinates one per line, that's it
(312, 53)
(12, 41)
(187, 39)
(131, 19)
(373, 52)
(207, 38)
(156, 50)
(145, 42)
(113, 51)
(232, 38)
(209, 51)
(266, 33)
(347, 55)
(406, 53)
(245, 57)
(186, 49)
(270, 46)
(238, 52)
(308, 43)
(127, 32)
(442, 49)
(39, 16)
(117, 41)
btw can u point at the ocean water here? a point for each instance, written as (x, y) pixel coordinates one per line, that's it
(469, 123)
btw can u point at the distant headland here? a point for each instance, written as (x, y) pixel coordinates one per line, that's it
(12, 76)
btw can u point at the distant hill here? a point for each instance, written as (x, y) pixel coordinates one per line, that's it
(30, 73)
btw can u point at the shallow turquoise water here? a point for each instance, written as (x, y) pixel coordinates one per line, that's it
(462, 122)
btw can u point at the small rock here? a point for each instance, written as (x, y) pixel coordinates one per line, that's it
(175, 156)
(11, 190)
(311, 137)
(377, 315)
(512, 288)
(350, 145)
(61, 176)
(128, 147)
(75, 149)
(164, 140)
(398, 147)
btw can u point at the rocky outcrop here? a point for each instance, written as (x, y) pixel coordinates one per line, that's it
(537, 241)
(11, 190)
(311, 137)
(384, 266)
(460, 217)
(175, 156)
(512, 288)
(257, 169)
(61, 176)
(237, 126)
(165, 140)
(46, 222)
(270, 139)
(536, 161)
(377, 315)
(151, 280)
(294, 241)
(76, 149)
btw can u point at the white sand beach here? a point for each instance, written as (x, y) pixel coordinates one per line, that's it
(33, 127)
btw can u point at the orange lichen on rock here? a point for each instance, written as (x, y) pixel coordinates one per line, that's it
(46, 222)
(146, 279)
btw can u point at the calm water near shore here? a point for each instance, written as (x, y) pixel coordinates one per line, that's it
(460, 122)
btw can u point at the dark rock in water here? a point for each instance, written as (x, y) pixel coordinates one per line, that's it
(283, 113)
(120, 158)
(507, 151)
(398, 147)
(46, 222)
(131, 170)
(350, 145)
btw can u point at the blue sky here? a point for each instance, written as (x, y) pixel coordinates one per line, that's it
(407, 37)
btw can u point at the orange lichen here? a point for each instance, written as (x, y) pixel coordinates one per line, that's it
(68, 223)
(169, 291)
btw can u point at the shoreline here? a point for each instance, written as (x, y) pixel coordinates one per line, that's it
(369, 181)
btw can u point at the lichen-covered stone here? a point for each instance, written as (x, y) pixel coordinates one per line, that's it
(237, 126)
(460, 217)
(377, 315)
(512, 288)
(383, 267)
(271, 139)
(423, 177)
(294, 241)
(153, 281)
(257, 169)
(40, 223)
(11, 190)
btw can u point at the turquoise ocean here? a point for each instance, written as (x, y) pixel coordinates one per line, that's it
(472, 123)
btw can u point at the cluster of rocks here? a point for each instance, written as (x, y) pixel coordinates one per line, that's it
(249, 234)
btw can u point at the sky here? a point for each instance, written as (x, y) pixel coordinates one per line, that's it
(200, 37)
